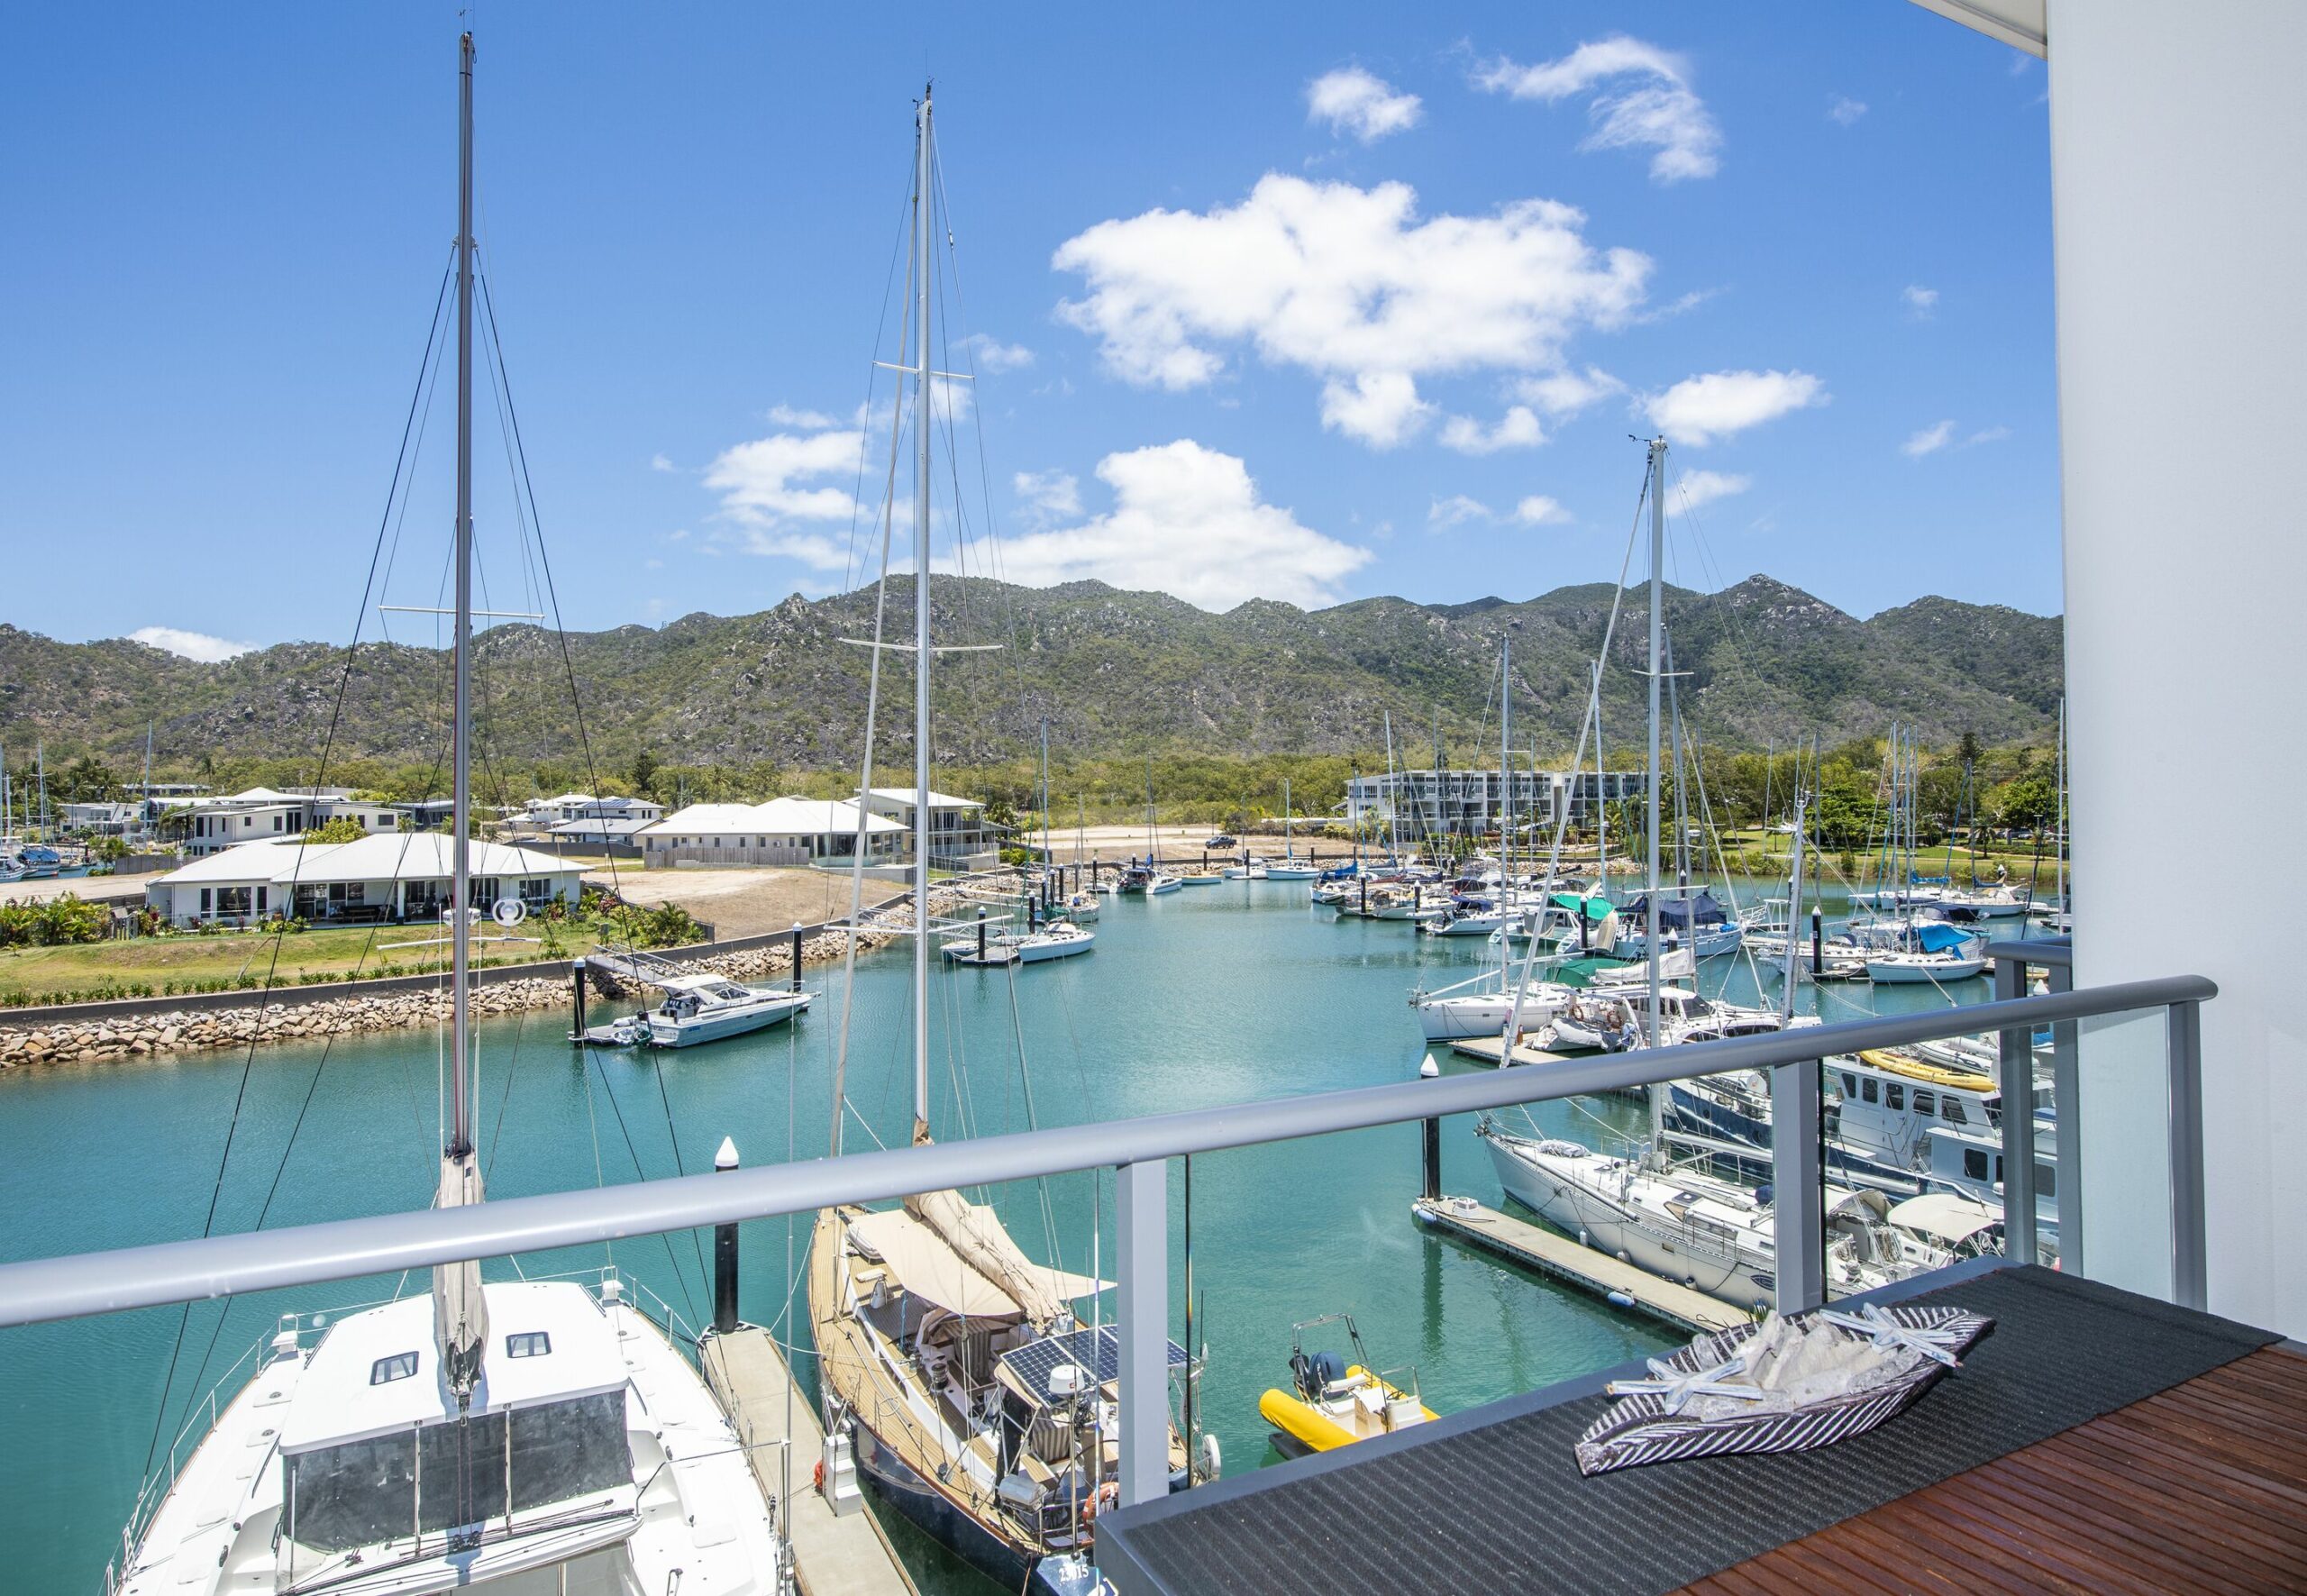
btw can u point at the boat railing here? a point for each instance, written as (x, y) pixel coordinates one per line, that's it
(1138, 1151)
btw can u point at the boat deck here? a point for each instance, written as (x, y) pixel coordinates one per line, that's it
(2199, 1425)
(1534, 1247)
(833, 1553)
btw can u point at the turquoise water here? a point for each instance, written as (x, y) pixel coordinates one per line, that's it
(1203, 997)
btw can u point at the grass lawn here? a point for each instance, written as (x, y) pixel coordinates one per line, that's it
(155, 961)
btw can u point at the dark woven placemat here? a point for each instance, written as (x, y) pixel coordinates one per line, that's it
(1498, 1505)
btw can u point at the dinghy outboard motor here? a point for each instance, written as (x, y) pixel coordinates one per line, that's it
(1317, 1374)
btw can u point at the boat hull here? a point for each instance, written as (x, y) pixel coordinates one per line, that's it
(1898, 972)
(717, 1027)
(1558, 1196)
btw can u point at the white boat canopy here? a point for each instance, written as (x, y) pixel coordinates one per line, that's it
(927, 1265)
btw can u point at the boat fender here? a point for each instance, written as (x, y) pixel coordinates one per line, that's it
(818, 1478)
(1581, 1237)
(1211, 1459)
(1428, 1068)
(1622, 1257)
(1622, 1298)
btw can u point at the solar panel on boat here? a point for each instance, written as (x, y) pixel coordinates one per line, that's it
(1097, 1351)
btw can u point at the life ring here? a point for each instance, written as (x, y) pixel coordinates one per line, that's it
(1106, 1496)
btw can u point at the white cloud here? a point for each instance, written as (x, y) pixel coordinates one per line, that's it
(1353, 101)
(1702, 409)
(771, 488)
(1048, 495)
(1564, 394)
(1693, 489)
(1517, 429)
(1993, 434)
(190, 646)
(1919, 301)
(1538, 510)
(1845, 110)
(812, 420)
(659, 462)
(1645, 101)
(994, 356)
(1930, 440)
(1382, 408)
(1188, 520)
(1348, 284)
(1456, 510)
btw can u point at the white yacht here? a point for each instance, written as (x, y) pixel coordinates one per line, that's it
(1453, 1016)
(707, 1008)
(533, 1437)
(607, 1466)
(1711, 1234)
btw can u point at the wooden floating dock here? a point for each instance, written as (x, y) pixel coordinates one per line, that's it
(1488, 1048)
(1535, 1247)
(834, 1554)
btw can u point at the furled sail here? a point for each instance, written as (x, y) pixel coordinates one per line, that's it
(977, 1235)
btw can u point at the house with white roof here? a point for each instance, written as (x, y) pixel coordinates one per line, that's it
(551, 812)
(265, 813)
(396, 876)
(782, 831)
(960, 837)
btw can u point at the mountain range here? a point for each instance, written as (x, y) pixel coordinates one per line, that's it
(1116, 673)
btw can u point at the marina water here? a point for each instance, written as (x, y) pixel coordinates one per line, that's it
(1199, 998)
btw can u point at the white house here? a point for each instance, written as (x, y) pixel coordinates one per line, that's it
(554, 812)
(782, 831)
(404, 875)
(959, 835)
(263, 814)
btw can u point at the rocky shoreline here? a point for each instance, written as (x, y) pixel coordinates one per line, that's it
(177, 1031)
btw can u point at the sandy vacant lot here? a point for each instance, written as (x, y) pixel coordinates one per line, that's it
(744, 902)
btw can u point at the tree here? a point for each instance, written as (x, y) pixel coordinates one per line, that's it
(644, 774)
(2027, 803)
(85, 781)
(344, 828)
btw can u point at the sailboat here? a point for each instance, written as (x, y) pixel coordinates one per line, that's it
(534, 1436)
(1713, 1235)
(977, 1400)
(1289, 867)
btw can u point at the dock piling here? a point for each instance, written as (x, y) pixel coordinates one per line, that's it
(725, 1251)
(1433, 1161)
(981, 933)
(1817, 944)
(576, 999)
(796, 955)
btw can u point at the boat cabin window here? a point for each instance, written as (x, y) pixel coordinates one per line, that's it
(1866, 1088)
(1895, 1095)
(528, 1344)
(1924, 1103)
(401, 1366)
(1974, 1163)
(361, 1492)
(1849, 1084)
(2046, 1181)
(1950, 1108)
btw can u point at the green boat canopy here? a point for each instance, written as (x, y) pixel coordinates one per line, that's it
(1597, 909)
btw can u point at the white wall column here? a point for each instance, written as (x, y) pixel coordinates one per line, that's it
(2179, 185)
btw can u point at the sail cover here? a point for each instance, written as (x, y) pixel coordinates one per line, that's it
(930, 1265)
(1678, 913)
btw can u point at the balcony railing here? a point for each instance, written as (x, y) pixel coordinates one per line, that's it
(1138, 1150)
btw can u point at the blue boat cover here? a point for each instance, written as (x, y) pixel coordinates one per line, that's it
(1697, 910)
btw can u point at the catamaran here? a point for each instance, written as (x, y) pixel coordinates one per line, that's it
(528, 1436)
(980, 1401)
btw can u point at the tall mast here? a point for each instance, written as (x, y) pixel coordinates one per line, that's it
(461, 1315)
(921, 431)
(1504, 799)
(1657, 678)
(1048, 858)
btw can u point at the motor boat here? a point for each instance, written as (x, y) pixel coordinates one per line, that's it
(710, 1007)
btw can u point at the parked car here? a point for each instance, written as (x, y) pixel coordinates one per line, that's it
(1221, 841)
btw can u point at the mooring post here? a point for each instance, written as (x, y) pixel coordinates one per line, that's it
(1817, 944)
(1433, 1161)
(796, 955)
(576, 997)
(981, 933)
(724, 1252)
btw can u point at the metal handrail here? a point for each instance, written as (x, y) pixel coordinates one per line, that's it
(76, 1285)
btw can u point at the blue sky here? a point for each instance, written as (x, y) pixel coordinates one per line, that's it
(1266, 304)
